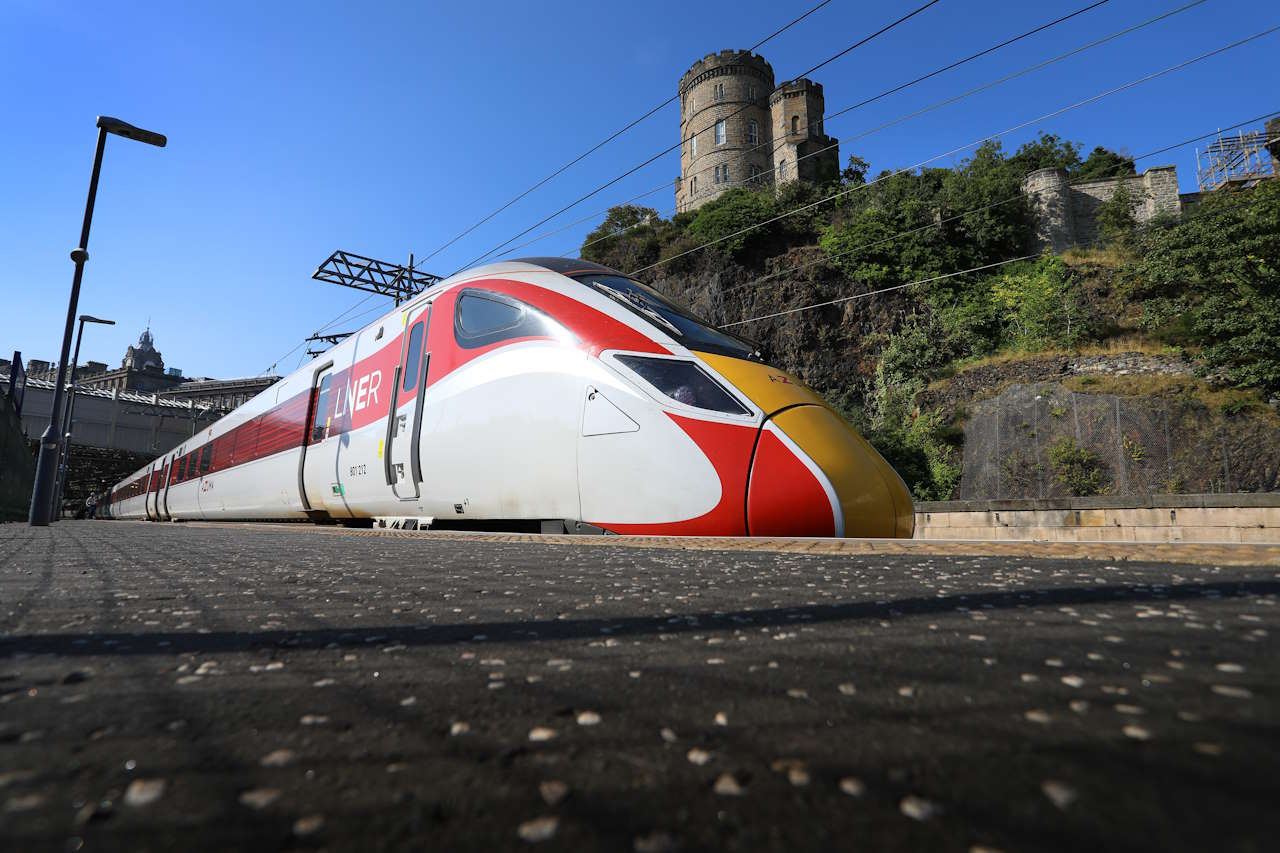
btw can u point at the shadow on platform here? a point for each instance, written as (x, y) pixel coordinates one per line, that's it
(176, 642)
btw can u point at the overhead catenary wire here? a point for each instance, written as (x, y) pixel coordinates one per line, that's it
(667, 150)
(951, 66)
(1000, 81)
(994, 265)
(327, 325)
(841, 299)
(1085, 102)
(951, 100)
(882, 241)
(936, 224)
(609, 139)
(890, 238)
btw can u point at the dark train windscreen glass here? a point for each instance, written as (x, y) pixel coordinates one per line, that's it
(677, 322)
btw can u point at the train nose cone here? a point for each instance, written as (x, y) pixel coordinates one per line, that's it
(813, 475)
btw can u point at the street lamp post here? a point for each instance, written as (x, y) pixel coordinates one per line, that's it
(65, 433)
(47, 463)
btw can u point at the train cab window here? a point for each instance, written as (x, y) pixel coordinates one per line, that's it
(684, 382)
(321, 410)
(679, 323)
(412, 356)
(484, 318)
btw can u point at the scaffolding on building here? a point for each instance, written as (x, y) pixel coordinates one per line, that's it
(1238, 160)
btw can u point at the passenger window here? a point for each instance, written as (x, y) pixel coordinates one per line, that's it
(412, 357)
(478, 315)
(483, 318)
(321, 411)
(206, 456)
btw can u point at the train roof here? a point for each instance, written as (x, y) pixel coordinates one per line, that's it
(568, 266)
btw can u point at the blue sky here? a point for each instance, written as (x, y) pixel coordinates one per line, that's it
(385, 128)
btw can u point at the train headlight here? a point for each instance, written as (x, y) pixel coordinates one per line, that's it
(684, 382)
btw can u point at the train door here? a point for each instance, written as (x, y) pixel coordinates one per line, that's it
(321, 492)
(151, 504)
(164, 493)
(402, 465)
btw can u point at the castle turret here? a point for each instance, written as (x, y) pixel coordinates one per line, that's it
(802, 149)
(1049, 193)
(724, 125)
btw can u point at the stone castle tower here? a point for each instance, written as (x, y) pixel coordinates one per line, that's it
(738, 129)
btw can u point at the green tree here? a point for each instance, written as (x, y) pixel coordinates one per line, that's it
(855, 174)
(918, 445)
(989, 184)
(1047, 151)
(630, 236)
(1216, 277)
(731, 214)
(1117, 224)
(1038, 304)
(884, 232)
(1105, 163)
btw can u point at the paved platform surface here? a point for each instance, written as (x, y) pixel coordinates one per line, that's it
(183, 687)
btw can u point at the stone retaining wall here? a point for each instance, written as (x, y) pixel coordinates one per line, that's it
(1157, 518)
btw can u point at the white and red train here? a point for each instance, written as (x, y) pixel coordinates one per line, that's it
(544, 394)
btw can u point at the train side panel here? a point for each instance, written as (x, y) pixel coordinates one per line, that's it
(500, 435)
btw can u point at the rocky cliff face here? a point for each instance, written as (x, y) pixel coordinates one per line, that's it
(1148, 423)
(832, 348)
(1028, 440)
(986, 380)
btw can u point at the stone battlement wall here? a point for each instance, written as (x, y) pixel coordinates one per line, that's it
(1067, 212)
(726, 62)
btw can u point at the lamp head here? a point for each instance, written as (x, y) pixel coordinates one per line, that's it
(137, 134)
(86, 318)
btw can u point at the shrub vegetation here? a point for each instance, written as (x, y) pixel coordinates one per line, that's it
(1207, 285)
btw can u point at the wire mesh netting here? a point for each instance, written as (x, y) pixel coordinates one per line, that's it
(1045, 441)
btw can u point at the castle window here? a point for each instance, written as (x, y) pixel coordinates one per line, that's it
(782, 169)
(718, 92)
(693, 145)
(724, 173)
(693, 185)
(751, 93)
(753, 132)
(717, 178)
(720, 132)
(795, 124)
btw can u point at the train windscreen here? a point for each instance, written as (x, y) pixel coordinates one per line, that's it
(689, 330)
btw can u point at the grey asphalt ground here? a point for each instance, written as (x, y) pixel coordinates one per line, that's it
(183, 687)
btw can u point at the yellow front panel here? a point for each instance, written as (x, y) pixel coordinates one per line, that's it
(851, 464)
(768, 387)
(874, 500)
